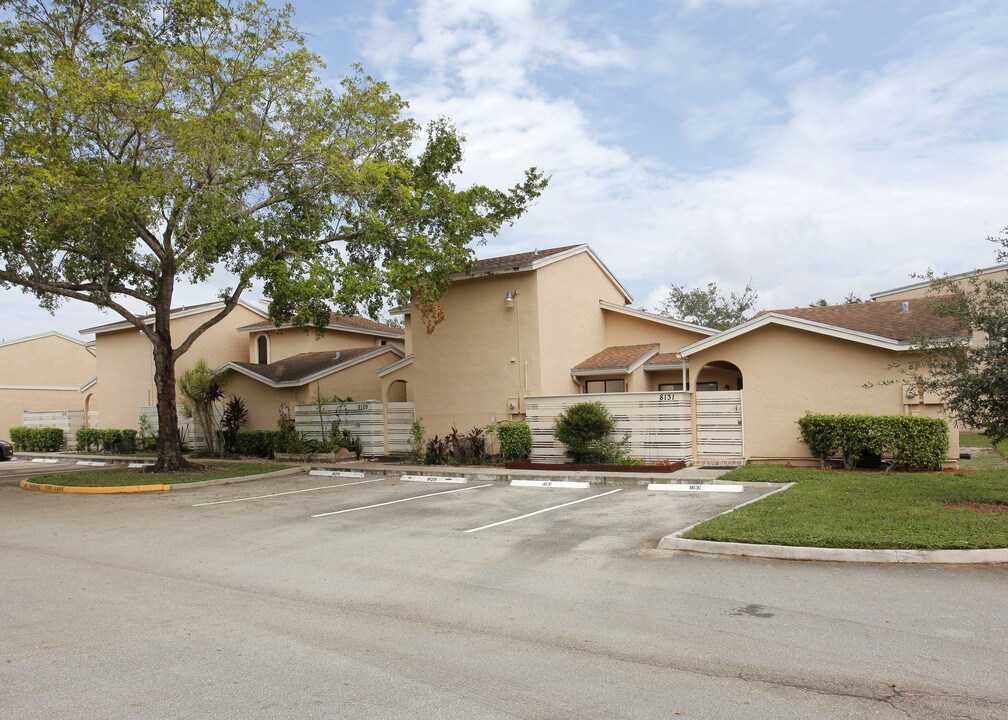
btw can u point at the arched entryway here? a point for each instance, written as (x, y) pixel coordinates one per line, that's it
(719, 430)
(719, 375)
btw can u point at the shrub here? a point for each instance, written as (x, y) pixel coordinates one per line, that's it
(235, 415)
(257, 443)
(416, 441)
(909, 442)
(44, 439)
(581, 427)
(106, 440)
(436, 452)
(515, 440)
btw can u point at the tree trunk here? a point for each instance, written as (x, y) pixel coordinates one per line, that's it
(170, 458)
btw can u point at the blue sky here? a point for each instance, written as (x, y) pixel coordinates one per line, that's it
(814, 148)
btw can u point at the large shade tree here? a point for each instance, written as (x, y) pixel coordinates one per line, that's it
(970, 375)
(145, 143)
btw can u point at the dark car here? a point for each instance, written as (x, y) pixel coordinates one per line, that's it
(6, 450)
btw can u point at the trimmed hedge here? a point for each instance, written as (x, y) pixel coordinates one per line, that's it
(46, 439)
(106, 440)
(515, 440)
(909, 441)
(257, 443)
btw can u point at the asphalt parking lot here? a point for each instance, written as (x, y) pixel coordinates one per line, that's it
(15, 470)
(322, 597)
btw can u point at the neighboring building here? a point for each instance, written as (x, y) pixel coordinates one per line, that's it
(44, 372)
(921, 289)
(125, 367)
(282, 361)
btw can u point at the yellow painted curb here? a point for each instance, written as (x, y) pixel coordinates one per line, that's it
(42, 487)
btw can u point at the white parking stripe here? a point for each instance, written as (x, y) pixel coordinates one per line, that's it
(289, 492)
(537, 512)
(401, 500)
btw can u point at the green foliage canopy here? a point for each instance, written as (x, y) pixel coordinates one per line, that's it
(708, 307)
(970, 374)
(143, 142)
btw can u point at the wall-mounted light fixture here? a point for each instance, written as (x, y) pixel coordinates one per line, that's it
(509, 299)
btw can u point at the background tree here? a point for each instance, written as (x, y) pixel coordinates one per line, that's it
(850, 298)
(971, 375)
(144, 142)
(708, 307)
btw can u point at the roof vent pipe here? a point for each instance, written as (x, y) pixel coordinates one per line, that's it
(906, 306)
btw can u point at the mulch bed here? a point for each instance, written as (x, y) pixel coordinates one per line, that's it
(521, 465)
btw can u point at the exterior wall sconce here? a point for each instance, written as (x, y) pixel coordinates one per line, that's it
(509, 299)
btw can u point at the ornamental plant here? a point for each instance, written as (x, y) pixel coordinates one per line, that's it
(584, 428)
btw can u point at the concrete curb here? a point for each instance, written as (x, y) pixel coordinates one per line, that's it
(479, 473)
(676, 541)
(155, 487)
(72, 490)
(848, 555)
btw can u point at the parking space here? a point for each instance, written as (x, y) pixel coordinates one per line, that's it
(14, 471)
(395, 508)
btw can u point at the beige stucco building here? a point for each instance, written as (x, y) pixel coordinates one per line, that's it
(550, 323)
(45, 372)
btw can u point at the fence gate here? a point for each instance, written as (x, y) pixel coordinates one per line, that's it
(658, 423)
(364, 419)
(189, 429)
(719, 427)
(400, 422)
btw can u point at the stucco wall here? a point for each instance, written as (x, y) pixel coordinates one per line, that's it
(787, 372)
(572, 326)
(629, 330)
(42, 373)
(126, 364)
(285, 343)
(261, 401)
(359, 382)
(469, 366)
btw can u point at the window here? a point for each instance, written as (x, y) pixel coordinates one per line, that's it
(706, 386)
(262, 350)
(671, 387)
(605, 386)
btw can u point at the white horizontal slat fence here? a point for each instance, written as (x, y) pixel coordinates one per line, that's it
(658, 422)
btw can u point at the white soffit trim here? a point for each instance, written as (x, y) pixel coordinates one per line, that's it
(39, 336)
(60, 388)
(654, 317)
(408, 360)
(926, 283)
(88, 385)
(798, 324)
(184, 311)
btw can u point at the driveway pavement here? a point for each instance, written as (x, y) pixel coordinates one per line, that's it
(319, 597)
(14, 471)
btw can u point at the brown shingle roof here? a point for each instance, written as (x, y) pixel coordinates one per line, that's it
(303, 365)
(618, 357)
(518, 260)
(354, 322)
(663, 359)
(884, 318)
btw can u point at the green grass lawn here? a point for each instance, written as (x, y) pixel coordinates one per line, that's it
(973, 440)
(121, 476)
(867, 510)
